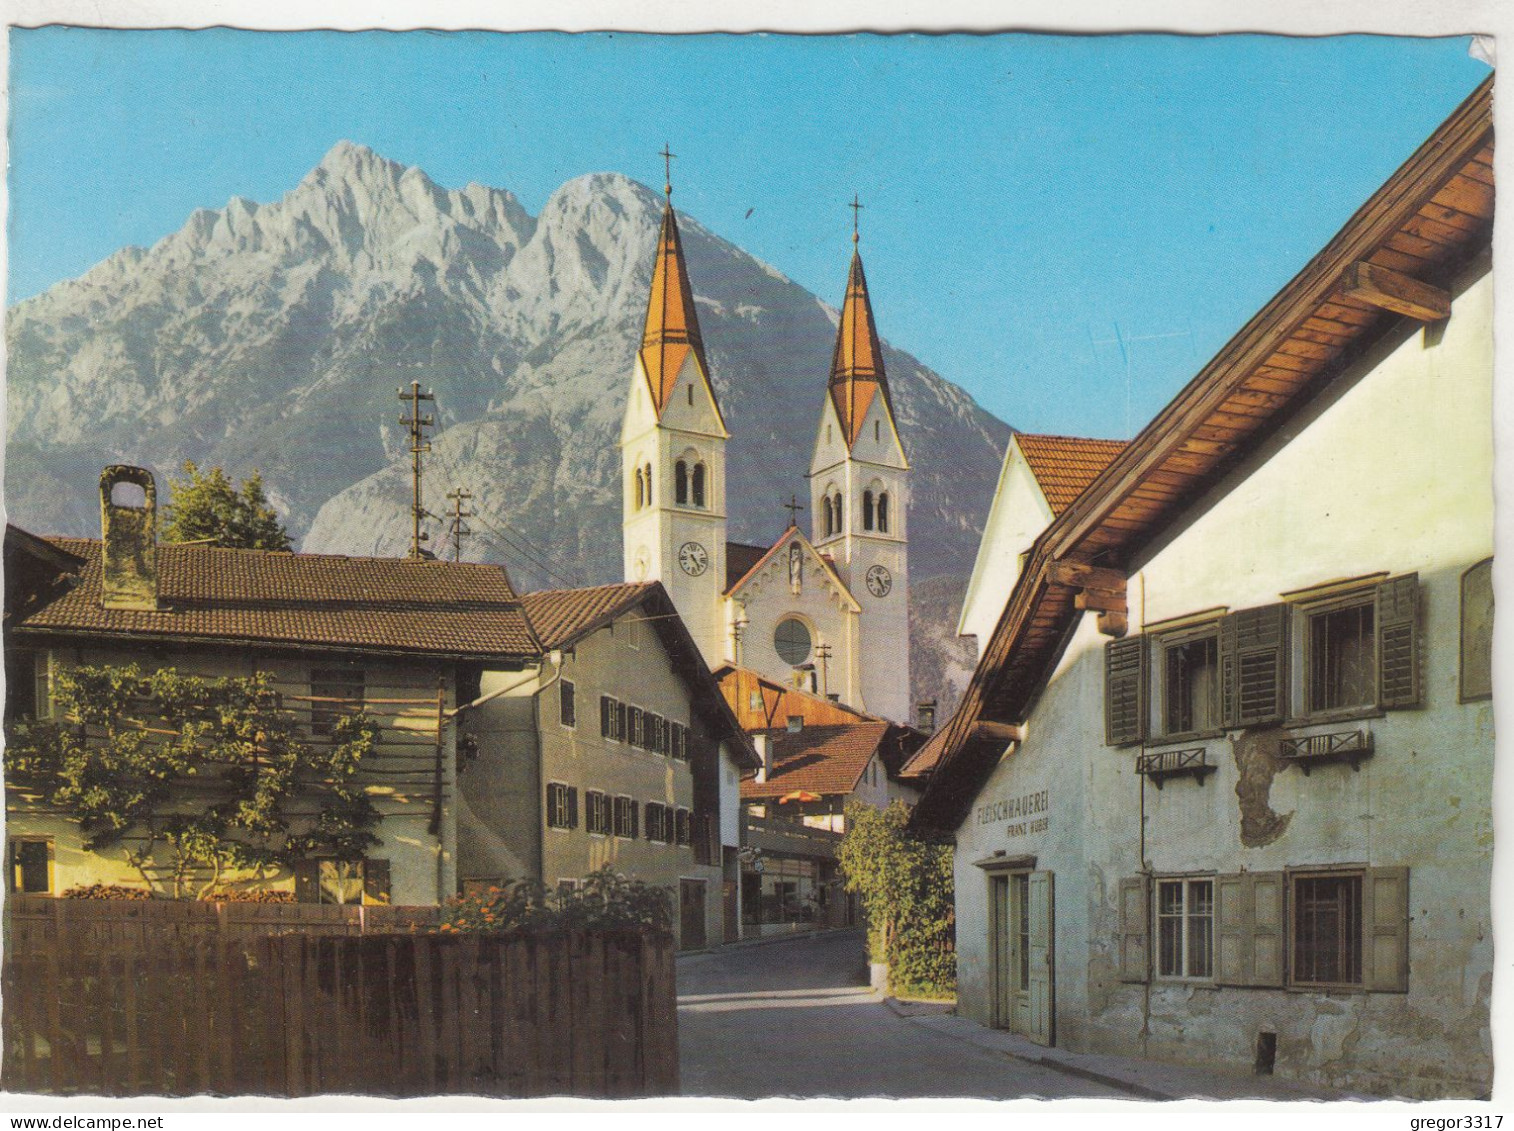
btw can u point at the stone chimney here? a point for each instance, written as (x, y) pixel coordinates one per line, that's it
(764, 745)
(129, 532)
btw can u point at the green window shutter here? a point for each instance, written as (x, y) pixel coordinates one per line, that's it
(1385, 930)
(1264, 905)
(1398, 642)
(375, 881)
(1253, 651)
(572, 807)
(1125, 691)
(1135, 929)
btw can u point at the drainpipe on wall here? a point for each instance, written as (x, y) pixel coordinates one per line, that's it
(1146, 872)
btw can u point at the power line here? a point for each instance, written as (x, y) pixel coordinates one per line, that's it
(416, 424)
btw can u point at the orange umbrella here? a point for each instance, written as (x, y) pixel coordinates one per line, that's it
(798, 795)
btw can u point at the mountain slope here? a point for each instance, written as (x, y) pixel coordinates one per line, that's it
(274, 336)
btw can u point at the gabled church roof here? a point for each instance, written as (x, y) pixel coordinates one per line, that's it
(794, 534)
(672, 328)
(857, 375)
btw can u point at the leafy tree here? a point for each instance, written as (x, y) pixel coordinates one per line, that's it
(204, 769)
(906, 888)
(206, 505)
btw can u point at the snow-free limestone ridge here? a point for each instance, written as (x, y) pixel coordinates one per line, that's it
(274, 335)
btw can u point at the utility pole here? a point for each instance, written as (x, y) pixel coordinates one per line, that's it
(415, 423)
(823, 654)
(458, 530)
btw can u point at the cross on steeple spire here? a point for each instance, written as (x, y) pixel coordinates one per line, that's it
(793, 506)
(856, 207)
(667, 165)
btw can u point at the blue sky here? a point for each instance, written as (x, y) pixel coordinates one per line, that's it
(1069, 227)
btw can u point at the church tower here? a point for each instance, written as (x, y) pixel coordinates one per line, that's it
(672, 445)
(859, 499)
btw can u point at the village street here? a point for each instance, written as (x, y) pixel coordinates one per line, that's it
(797, 1019)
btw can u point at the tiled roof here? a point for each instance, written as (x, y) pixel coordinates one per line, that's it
(819, 759)
(379, 604)
(561, 616)
(777, 701)
(925, 759)
(1064, 466)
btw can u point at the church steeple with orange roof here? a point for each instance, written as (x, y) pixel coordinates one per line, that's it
(672, 444)
(857, 376)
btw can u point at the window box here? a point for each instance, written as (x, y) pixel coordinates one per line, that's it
(1159, 765)
(1306, 751)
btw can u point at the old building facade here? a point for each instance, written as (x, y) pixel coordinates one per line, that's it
(1221, 786)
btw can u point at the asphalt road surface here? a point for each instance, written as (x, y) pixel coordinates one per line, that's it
(796, 1018)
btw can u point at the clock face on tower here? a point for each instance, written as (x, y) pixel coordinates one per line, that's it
(879, 581)
(693, 558)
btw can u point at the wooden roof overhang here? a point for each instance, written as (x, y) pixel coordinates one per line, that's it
(1427, 222)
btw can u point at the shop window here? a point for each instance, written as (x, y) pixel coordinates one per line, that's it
(597, 813)
(1185, 928)
(1477, 632)
(562, 806)
(336, 692)
(567, 711)
(31, 865)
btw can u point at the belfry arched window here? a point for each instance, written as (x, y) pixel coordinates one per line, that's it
(681, 483)
(698, 478)
(867, 510)
(840, 520)
(883, 511)
(641, 490)
(828, 520)
(649, 484)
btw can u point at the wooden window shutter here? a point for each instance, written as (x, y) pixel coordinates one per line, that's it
(307, 884)
(1398, 642)
(1135, 929)
(1385, 934)
(635, 812)
(572, 799)
(1232, 930)
(606, 716)
(1125, 691)
(1253, 652)
(375, 881)
(1269, 940)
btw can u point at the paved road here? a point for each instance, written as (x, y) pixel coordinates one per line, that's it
(796, 1018)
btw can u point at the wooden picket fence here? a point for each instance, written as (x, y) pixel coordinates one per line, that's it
(134, 1009)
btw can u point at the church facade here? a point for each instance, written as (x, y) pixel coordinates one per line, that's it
(827, 612)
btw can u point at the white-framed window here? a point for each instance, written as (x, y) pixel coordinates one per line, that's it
(597, 819)
(562, 806)
(611, 718)
(1185, 928)
(625, 813)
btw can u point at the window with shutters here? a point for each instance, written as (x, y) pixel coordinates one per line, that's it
(625, 813)
(611, 718)
(562, 806)
(342, 882)
(1187, 683)
(635, 721)
(1358, 652)
(567, 712)
(659, 822)
(1327, 929)
(597, 819)
(1185, 928)
(683, 827)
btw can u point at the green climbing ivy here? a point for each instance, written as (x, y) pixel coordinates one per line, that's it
(206, 769)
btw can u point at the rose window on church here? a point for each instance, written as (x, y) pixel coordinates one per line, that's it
(792, 641)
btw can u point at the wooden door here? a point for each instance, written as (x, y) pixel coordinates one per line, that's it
(1041, 986)
(1001, 941)
(691, 933)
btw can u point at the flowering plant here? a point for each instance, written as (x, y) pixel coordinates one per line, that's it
(602, 899)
